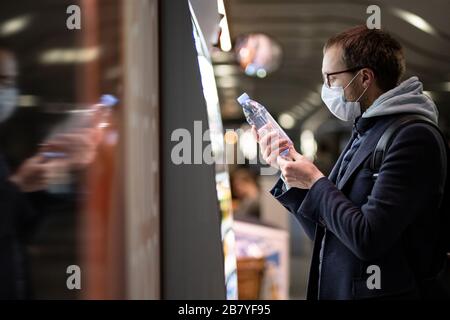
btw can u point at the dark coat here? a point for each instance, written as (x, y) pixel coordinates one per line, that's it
(17, 219)
(389, 222)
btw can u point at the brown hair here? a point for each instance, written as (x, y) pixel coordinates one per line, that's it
(374, 49)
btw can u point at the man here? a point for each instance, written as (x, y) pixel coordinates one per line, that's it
(15, 213)
(360, 222)
(18, 190)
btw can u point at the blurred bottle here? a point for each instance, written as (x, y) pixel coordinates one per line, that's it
(258, 116)
(58, 146)
(96, 117)
(103, 111)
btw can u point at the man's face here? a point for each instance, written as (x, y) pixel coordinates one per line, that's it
(8, 70)
(332, 62)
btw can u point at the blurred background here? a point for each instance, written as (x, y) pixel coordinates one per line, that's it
(140, 226)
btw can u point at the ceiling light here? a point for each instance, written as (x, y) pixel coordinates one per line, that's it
(286, 120)
(308, 144)
(225, 39)
(248, 145)
(27, 101)
(14, 25)
(261, 73)
(69, 56)
(414, 20)
(222, 70)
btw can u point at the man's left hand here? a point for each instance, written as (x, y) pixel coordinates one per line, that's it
(298, 172)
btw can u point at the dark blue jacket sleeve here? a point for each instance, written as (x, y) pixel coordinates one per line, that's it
(408, 183)
(291, 200)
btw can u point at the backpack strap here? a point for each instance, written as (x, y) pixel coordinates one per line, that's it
(387, 138)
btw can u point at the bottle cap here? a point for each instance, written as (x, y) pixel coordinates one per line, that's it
(243, 98)
(108, 100)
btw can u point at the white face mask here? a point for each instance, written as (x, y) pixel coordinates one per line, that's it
(8, 102)
(334, 99)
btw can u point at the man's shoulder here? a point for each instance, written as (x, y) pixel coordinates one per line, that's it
(419, 140)
(413, 130)
(422, 142)
(419, 132)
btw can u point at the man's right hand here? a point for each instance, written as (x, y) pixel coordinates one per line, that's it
(79, 146)
(271, 145)
(34, 174)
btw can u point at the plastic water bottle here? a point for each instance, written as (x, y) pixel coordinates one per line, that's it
(97, 117)
(105, 105)
(258, 116)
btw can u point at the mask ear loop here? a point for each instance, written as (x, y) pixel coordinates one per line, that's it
(363, 93)
(357, 100)
(352, 80)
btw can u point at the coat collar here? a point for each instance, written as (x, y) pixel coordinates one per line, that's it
(370, 129)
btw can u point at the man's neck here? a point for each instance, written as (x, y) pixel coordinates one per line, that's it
(370, 100)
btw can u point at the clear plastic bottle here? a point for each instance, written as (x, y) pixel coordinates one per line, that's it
(258, 116)
(104, 107)
(97, 116)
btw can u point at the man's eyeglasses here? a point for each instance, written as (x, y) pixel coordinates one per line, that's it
(326, 77)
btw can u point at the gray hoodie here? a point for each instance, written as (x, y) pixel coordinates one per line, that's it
(407, 97)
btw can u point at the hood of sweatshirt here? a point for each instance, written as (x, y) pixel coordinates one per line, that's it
(407, 97)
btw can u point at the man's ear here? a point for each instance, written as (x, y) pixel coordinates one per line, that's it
(368, 77)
